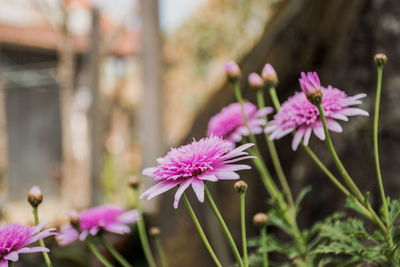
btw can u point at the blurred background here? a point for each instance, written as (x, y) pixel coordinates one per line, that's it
(92, 91)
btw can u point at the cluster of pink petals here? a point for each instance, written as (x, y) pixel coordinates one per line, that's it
(309, 83)
(91, 221)
(14, 239)
(229, 123)
(208, 159)
(298, 113)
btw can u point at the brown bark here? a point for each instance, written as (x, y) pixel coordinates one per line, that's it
(338, 39)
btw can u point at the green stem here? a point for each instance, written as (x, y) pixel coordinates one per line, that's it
(243, 224)
(200, 230)
(115, 253)
(346, 176)
(160, 250)
(376, 150)
(224, 227)
(274, 155)
(274, 98)
(263, 232)
(41, 241)
(10, 264)
(143, 234)
(254, 151)
(94, 250)
(328, 142)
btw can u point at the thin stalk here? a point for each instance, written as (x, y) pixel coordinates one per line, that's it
(263, 232)
(243, 225)
(115, 253)
(328, 142)
(160, 251)
(269, 183)
(223, 226)
(274, 155)
(274, 98)
(143, 233)
(346, 176)
(200, 230)
(258, 161)
(98, 255)
(376, 150)
(41, 241)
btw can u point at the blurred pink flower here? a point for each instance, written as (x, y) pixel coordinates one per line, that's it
(91, 221)
(255, 80)
(269, 75)
(232, 70)
(14, 239)
(205, 160)
(229, 123)
(298, 113)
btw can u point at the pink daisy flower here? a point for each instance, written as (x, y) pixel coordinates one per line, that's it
(229, 123)
(14, 239)
(298, 113)
(208, 159)
(91, 221)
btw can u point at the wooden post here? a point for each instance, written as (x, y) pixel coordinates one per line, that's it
(95, 114)
(151, 105)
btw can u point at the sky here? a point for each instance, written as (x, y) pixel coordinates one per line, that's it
(172, 12)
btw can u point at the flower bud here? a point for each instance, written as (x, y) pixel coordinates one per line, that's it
(133, 181)
(35, 196)
(232, 70)
(380, 59)
(269, 75)
(74, 218)
(255, 81)
(154, 231)
(311, 87)
(260, 219)
(240, 186)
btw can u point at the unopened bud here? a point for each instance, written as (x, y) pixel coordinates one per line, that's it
(260, 219)
(240, 186)
(255, 81)
(154, 231)
(35, 196)
(232, 70)
(133, 181)
(74, 218)
(380, 59)
(269, 75)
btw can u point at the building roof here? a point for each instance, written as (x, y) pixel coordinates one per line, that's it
(27, 26)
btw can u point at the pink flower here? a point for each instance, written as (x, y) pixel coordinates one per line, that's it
(91, 221)
(205, 160)
(232, 70)
(229, 123)
(298, 113)
(14, 239)
(310, 83)
(255, 80)
(269, 75)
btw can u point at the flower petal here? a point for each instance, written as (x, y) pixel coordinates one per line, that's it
(198, 188)
(333, 125)
(118, 228)
(158, 189)
(298, 136)
(185, 184)
(318, 130)
(128, 217)
(149, 171)
(307, 135)
(11, 256)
